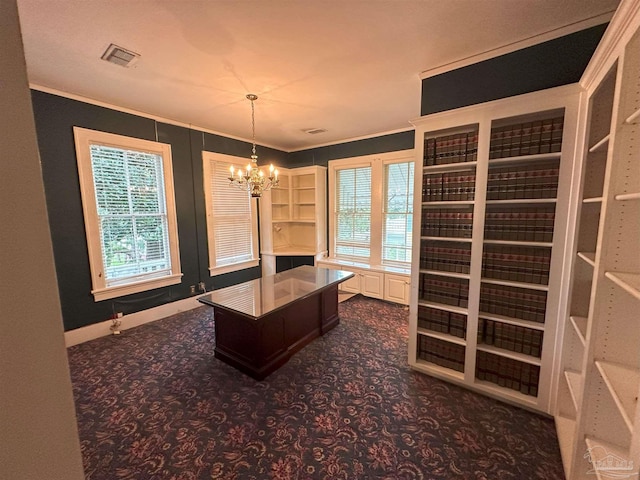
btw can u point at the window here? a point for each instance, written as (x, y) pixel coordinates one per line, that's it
(232, 227)
(353, 212)
(371, 200)
(129, 211)
(397, 212)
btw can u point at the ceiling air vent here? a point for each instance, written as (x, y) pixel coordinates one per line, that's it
(120, 56)
(314, 131)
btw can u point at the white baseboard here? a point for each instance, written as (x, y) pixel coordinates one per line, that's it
(102, 329)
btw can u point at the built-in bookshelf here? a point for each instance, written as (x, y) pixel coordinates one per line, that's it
(485, 288)
(293, 216)
(597, 416)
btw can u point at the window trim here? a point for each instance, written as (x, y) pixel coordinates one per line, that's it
(214, 270)
(84, 138)
(376, 162)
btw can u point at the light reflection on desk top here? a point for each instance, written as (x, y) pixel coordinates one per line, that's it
(259, 297)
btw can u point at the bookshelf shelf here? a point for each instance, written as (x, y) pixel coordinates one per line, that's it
(519, 243)
(521, 357)
(600, 145)
(627, 196)
(634, 118)
(513, 321)
(448, 239)
(592, 200)
(623, 383)
(460, 166)
(506, 393)
(589, 257)
(438, 371)
(580, 327)
(509, 283)
(445, 273)
(444, 306)
(447, 203)
(600, 452)
(442, 336)
(574, 382)
(629, 282)
(517, 201)
(565, 428)
(525, 159)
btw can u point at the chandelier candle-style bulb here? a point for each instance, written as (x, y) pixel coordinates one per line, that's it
(254, 181)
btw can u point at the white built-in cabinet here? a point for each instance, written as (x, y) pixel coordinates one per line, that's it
(491, 210)
(293, 216)
(598, 382)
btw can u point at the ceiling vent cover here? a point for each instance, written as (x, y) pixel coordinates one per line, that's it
(314, 131)
(120, 56)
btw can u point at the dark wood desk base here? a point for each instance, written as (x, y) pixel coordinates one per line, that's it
(260, 346)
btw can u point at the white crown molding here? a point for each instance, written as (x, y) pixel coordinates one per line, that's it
(615, 37)
(519, 45)
(91, 101)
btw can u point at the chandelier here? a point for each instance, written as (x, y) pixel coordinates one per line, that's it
(252, 179)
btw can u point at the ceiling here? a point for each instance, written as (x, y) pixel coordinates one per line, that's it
(352, 67)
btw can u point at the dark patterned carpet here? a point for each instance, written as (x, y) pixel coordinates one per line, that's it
(154, 403)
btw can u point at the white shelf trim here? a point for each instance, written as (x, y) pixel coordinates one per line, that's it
(517, 201)
(622, 383)
(525, 158)
(574, 382)
(566, 428)
(461, 166)
(512, 321)
(446, 274)
(589, 257)
(510, 283)
(592, 200)
(442, 336)
(521, 357)
(599, 145)
(439, 203)
(519, 243)
(438, 370)
(599, 451)
(445, 307)
(580, 327)
(448, 239)
(629, 282)
(627, 196)
(633, 118)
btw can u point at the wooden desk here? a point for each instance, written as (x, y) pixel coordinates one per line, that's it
(260, 324)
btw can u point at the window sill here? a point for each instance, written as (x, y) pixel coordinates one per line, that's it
(213, 271)
(106, 293)
(365, 266)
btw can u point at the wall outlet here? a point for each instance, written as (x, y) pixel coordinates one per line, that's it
(192, 289)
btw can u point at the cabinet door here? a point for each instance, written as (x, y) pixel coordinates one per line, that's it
(371, 284)
(396, 288)
(352, 285)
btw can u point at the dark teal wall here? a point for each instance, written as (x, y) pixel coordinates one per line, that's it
(382, 144)
(549, 64)
(55, 118)
(542, 66)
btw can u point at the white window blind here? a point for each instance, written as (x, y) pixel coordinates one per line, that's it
(129, 213)
(132, 213)
(231, 218)
(353, 212)
(397, 213)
